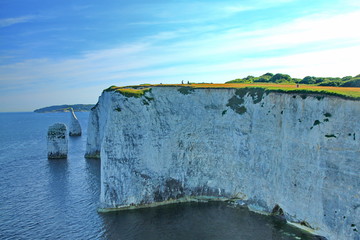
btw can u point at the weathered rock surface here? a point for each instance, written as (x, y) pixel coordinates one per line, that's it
(57, 141)
(301, 153)
(75, 127)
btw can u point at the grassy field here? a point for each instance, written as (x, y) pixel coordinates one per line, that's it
(129, 91)
(353, 93)
(343, 92)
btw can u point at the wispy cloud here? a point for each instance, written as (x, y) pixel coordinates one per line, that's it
(228, 48)
(198, 11)
(6, 22)
(354, 3)
(321, 44)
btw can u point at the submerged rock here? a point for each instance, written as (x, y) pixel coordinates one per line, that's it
(75, 128)
(57, 141)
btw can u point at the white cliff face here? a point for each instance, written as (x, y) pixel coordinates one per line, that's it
(57, 141)
(97, 121)
(301, 153)
(75, 128)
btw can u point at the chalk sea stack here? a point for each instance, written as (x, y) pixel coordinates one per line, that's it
(75, 128)
(57, 141)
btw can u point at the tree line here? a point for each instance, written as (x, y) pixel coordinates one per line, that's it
(348, 81)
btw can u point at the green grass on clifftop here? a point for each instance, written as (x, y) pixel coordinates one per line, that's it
(352, 93)
(128, 92)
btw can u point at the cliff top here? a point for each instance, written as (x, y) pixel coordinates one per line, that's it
(352, 93)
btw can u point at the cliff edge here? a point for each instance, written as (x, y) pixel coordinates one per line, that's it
(270, 150)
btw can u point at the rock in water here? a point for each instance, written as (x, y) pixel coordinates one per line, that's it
(57, 141)
(75, 128)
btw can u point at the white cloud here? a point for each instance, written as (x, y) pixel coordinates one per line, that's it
(253, 5)
(320, 45)
(197, 12)
(5, 22)
(319, 30)
(353, 3)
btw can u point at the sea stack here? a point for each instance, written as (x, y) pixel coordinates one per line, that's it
(75, 128)
(57, 141)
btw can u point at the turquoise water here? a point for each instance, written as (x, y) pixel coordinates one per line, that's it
(58, 199)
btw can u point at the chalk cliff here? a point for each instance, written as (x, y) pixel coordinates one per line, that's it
(57, 141)
(299, 152)
(75, 127)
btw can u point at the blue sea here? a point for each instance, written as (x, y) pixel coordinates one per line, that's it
(58, 199)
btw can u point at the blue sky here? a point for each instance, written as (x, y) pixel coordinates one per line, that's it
(67, 52)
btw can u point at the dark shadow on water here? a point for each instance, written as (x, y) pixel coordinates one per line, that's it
(92, 169)
(93, 166)
(214, 220)
(76, 143)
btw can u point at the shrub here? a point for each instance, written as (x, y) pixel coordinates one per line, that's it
(279, 78)
(330, 83)
(267, 75)
(352, 83)
(347, 78)
(262, 79)
(308, 80)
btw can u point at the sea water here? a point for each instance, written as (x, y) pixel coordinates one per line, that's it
(58, 199)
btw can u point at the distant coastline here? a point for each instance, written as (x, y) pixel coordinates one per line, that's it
(65, 108)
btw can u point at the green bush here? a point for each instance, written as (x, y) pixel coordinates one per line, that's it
(308, 80)
(352, 83)
(330, 83)
(347, 81)
(347, 78)
(280, 78)
(262, 79)
(240, 80)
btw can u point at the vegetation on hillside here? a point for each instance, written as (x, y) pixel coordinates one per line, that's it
(302, 90)
(347, 81)
(129, 92)
(346, 87)
(65, 108)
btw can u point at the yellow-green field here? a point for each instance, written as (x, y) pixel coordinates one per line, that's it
(344, 92)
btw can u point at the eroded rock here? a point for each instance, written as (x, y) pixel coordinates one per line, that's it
(75, 127)
(57, 141)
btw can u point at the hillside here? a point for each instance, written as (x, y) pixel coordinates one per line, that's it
(65, 108)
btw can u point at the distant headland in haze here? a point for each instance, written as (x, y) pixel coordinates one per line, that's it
(66, 108)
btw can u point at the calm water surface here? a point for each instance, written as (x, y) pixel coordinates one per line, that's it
(58, 199)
